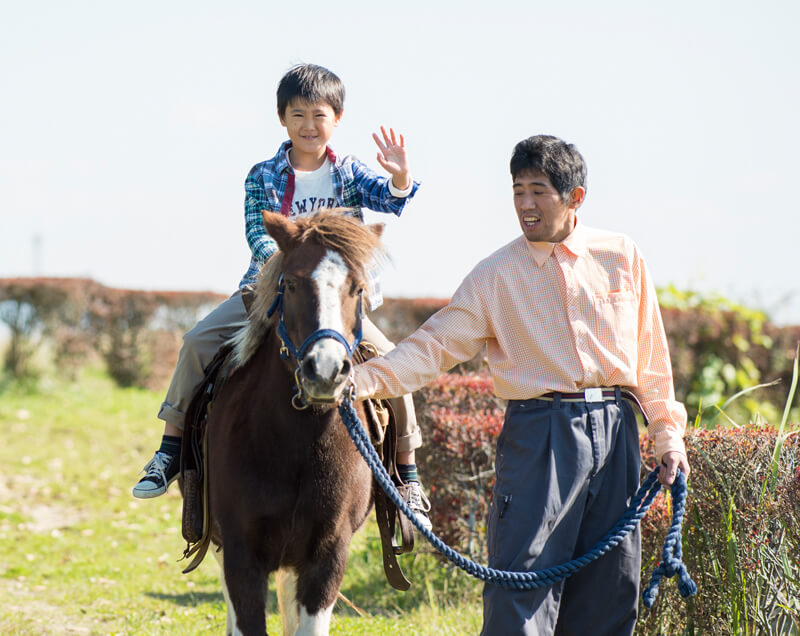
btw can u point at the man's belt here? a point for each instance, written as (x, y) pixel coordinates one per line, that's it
(587, 395)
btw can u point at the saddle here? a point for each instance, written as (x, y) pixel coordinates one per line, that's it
(382, 427)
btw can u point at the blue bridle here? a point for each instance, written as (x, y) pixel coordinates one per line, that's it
(287, 346)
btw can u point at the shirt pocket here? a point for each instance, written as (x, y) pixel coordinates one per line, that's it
(617, 322)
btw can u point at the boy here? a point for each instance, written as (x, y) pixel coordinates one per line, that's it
(574, 336)
(305, 176)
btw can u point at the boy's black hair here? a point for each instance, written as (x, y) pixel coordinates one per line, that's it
(313, 84)
(560, 161)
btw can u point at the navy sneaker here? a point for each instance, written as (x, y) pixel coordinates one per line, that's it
(160, 472)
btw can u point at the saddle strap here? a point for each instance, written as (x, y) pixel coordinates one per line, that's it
(195, 524)
(386, 513)
(406, 530)
(394, 574)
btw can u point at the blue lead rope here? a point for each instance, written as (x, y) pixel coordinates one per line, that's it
(671, 556)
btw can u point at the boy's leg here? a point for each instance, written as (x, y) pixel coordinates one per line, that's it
(409, 437)
(200, 344)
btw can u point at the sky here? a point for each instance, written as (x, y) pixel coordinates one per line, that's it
(127, 129)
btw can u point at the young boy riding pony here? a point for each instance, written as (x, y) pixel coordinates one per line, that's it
(305, 176)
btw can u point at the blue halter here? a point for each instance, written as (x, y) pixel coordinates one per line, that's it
(289, 350)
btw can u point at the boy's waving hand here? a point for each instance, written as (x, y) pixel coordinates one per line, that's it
(393, 158)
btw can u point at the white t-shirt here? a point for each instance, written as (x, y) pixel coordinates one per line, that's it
(313, 191)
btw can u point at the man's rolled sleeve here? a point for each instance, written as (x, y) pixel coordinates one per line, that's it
(665, 415)
(666, 425)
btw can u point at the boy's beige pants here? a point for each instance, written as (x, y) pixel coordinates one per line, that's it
(203, 340)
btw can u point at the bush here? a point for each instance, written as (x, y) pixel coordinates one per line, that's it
(741, 537)
(136, 333)
(460, 419)
(719, 348)
(46, 310)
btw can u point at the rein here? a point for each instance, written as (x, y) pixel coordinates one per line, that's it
(288, 350)
(671, 563)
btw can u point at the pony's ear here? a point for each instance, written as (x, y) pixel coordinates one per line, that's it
(376, 228)
(281, 229)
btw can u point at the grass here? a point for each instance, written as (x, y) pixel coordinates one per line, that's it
(79, 555)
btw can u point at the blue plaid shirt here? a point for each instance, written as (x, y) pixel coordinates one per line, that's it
(270, 186)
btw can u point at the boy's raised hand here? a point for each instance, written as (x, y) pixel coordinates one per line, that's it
(393, 158)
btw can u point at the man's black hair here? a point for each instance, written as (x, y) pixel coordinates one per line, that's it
(313, 84)
(560, 161)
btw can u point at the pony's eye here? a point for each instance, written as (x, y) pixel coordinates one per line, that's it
(290, 286)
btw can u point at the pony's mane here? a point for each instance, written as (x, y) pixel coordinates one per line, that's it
(359, 246)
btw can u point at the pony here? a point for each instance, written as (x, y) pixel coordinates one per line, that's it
(287, 488)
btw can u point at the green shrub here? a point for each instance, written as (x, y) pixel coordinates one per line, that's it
(740, 542)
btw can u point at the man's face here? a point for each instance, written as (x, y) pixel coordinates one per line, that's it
(542, 215)
(310, 126)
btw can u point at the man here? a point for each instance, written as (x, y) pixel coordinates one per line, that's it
(571, 324)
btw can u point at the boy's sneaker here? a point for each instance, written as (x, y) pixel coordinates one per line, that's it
(160, 472)
(418, 502)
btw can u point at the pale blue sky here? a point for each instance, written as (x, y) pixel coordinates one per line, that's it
(126, 131)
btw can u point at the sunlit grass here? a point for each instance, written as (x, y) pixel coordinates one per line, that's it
(79, 555)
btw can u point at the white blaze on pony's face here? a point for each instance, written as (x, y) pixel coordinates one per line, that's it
(326, 366)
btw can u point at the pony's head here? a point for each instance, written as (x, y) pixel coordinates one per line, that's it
(319, 278)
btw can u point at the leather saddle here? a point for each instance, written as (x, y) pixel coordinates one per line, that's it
(382, 428)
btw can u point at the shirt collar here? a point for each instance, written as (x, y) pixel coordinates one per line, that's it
(283, 162)
(575, 243)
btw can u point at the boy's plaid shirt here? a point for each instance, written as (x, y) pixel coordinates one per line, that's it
(270, 186)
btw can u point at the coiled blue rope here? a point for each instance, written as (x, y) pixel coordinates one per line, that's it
(671, 556)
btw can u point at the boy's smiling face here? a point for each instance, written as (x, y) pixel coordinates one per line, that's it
(310, 127)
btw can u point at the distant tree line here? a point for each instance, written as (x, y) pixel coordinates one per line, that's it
(68, 322)
(718, 348)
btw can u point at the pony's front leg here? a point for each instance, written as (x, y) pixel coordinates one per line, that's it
(246, 583)
(315, 624)
(230, 614)
(286, 588)
(318, 588)
(296, 620)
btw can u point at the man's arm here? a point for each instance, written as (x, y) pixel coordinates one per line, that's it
(666, 416)
(452, 335)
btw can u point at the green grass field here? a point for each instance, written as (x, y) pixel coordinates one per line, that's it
(79, 555)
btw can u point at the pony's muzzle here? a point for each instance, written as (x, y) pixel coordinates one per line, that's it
(324, 371)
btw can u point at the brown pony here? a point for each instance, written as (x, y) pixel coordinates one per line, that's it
(287, 488)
